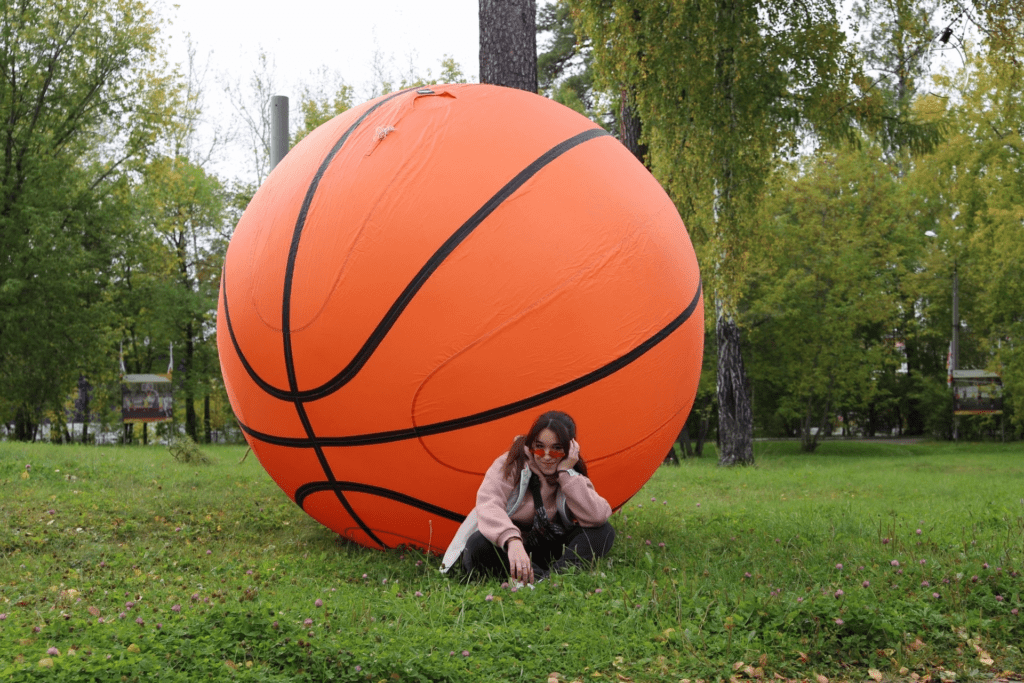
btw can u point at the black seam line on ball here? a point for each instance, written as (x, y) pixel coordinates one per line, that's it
(286, 335)
(391, 317)
(286, 309)
(326, 467)
(494, 413)
(251, 371)
(316, 486)
(393, 313)
(293, 250)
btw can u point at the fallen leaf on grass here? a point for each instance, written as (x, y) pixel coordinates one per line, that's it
(985, 658)
(803, 657)
(916, 645)
(93, 610)
(231, 665)
(738, 665)
(875, 674)
(820, 678)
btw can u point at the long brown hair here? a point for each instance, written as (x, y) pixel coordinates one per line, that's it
(558, 422)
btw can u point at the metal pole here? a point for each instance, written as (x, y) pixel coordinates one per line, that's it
(278, 129)
(956, 320)
(954, 361)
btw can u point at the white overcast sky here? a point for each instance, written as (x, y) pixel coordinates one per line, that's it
(301, 37)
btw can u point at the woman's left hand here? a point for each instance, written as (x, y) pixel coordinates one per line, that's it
(574, 456)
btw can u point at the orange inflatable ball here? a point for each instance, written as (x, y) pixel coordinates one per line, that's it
(422, 276)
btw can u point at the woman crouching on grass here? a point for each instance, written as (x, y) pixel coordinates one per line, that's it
(536, 510)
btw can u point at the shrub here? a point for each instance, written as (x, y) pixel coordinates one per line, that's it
(185, 450)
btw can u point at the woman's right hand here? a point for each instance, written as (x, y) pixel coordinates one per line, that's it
(519, 564)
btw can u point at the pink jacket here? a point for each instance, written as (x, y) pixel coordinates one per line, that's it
(499, 504)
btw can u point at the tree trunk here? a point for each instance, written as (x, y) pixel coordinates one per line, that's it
(191, 426)
(508, 43)
(631, 128)
(83, 396)
(702, 434)
(684, 438)
(24, 427)
(735, 418)
(207, 430)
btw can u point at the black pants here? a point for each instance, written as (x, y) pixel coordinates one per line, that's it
(579, 546)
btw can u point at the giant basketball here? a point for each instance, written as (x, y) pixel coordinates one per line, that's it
(422, 276)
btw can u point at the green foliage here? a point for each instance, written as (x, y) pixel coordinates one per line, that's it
(722, 91)
(320, 101)
(565, 67)
(973, 194)
(896, 48)
(81, 99)
(826, 296)
(184, 450)
(216, 573)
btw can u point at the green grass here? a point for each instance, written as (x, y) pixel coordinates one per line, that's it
(223, 571)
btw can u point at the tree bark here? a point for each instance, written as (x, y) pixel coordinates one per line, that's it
(631, 128)
(735, 419)
(508, 43)
(84, 389)
(207, 430)
(24, 425)
(191, 426)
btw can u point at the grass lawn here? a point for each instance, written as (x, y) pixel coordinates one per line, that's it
(861, 561)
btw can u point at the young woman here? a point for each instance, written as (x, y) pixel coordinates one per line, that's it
(536, 511)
